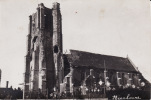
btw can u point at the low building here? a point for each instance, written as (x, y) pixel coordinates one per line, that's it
(89, 72)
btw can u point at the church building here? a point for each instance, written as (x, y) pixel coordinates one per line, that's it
(91, 72)
(48, 70)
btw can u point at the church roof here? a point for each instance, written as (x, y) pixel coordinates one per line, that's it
(87, 59)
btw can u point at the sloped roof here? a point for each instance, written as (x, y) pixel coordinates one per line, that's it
(85, 59)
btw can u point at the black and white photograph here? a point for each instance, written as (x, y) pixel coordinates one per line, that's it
(75, 49)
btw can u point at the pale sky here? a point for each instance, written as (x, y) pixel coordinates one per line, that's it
(111, 27)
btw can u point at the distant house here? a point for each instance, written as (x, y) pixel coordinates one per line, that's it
(10, 93)
(5, 93)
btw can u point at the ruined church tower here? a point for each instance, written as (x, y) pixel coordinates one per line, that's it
(43, 65)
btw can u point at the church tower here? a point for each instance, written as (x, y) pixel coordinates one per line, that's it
(43, 70)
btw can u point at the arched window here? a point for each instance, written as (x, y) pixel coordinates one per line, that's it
(56, 50)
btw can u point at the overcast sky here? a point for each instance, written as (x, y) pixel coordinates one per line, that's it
(111, 27)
